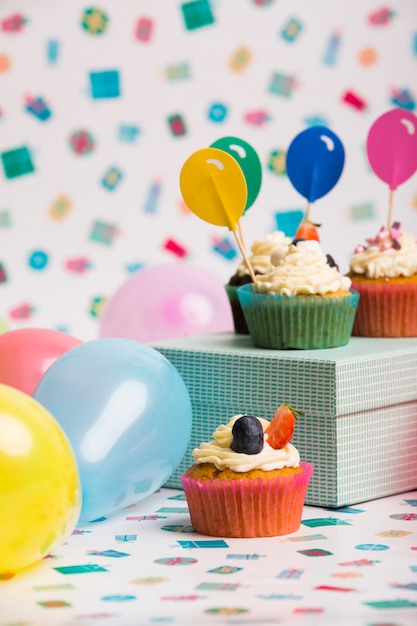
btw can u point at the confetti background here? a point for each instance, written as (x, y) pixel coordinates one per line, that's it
(100, 105)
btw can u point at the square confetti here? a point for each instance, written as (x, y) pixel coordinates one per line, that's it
(105, 84)
(17, 162)
(197, 14)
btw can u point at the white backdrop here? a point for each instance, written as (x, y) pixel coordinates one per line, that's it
(56, 267)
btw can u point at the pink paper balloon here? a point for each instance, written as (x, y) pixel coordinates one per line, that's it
(26, 354)
(167, 301)
(392, 146)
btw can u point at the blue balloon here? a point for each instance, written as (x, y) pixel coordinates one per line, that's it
(314, 163)
(127, 413)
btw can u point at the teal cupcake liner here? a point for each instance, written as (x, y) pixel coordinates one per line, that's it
(303, 322)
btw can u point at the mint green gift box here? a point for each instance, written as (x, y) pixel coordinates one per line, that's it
(360, 404)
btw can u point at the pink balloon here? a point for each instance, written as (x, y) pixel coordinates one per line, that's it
(167, 301)
(26, 354)
(392, 146)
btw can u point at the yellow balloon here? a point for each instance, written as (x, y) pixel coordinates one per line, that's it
(214, 187)
(40, 491)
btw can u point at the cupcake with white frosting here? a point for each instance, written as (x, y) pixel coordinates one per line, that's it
(302, 302)
(260, 260)
(384, 273)
(249, 480)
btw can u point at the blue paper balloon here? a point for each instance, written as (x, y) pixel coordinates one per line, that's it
(127, 413)
(314, 163)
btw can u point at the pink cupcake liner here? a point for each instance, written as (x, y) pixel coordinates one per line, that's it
(386, 310)
(255, 507)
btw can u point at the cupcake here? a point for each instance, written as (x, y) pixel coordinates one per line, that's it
(248, 481)
(384, 273)
(303, 302)
(260, 262)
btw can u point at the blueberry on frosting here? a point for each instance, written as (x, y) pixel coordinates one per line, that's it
(248, 435)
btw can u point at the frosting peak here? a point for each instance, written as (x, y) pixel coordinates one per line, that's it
(301, 269)
(260, 258)
(390, 254)
(219, 452)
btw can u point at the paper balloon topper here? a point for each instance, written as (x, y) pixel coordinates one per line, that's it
(314, 163)
(214, 187)
(392, 146)
(249, 161)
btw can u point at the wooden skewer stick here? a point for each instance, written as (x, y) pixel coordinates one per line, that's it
(390, 208)
(307, 217)
(245, 256)
(238, 239)
(240, 231)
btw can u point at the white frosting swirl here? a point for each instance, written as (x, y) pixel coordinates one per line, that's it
(302, 269)
(377, 262)
(260, 258)
(223, 457)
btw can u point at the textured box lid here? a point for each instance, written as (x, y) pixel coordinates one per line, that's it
(365, 374)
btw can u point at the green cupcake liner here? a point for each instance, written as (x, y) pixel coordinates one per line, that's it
(303, 322)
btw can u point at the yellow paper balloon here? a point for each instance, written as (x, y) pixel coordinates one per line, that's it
(40, 492)
(214, 187)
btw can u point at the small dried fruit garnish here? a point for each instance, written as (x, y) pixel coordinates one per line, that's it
(307, 230)
(281, 427)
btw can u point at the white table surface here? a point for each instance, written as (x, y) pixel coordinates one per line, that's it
(146, 566)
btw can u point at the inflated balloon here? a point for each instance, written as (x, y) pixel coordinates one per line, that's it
(392, 146)
(3, 326)
(167, 301)
(315, 161)
(249, 161)
(26, 354)
(40, 493)
(213, 186)
(127, 414)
